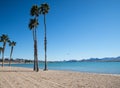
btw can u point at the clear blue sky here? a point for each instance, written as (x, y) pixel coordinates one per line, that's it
(76, 29)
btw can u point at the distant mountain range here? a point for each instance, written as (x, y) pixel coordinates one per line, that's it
(106, 59)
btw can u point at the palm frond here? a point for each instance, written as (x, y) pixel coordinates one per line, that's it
(44, 8)
(12, 43)
(34, 10)
(4, 38)
(33, 23)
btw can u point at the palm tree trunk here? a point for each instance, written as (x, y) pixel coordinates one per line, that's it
(45, 45)
(4, 44)
(34, 50)
(2, 58)
(36, 57)
(36, 54)
(11, 55)
(33, 35)
(0, 52)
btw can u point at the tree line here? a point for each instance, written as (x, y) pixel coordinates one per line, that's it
(35, 12)
(4, 39)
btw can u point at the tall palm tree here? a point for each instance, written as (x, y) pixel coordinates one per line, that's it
(44, 8)
(11, 44)
(33, 25)
(4, 39)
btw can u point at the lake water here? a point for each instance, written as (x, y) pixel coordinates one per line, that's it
(91, 67)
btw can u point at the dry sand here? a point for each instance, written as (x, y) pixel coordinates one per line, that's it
(13, 77)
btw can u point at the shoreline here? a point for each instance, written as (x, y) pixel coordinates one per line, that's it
(102, 73)
(118, 74)
(18, 77)
(27, 68)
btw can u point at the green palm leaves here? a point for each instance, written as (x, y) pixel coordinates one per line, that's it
(12, 44)
(34, 11)
(44, 8)
(4, 38)
(33, 23)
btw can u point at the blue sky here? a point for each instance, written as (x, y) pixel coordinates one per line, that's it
(76, 29)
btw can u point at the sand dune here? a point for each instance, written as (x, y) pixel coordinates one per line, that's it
(13, 77)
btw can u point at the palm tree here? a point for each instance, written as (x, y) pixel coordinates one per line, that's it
(4, 39)
(33, 25)
(44, 8)
(11, 44)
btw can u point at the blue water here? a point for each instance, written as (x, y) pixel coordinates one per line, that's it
(91, 67)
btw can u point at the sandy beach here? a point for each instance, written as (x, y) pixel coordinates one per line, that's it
(13, 77)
